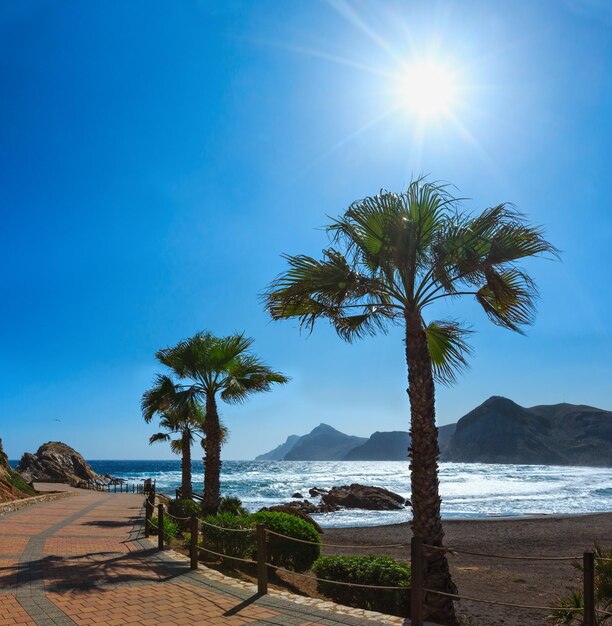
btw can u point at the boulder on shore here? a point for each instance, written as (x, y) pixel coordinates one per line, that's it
(357, 496)
(296, 510)
(58, 463)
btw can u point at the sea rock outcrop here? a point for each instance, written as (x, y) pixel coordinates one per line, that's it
(357, 496)
(57, 462)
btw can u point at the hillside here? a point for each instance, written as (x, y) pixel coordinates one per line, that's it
(501, 431)
(323, 443)
(12, 486)
(497, 431)
(382, 446)
(393, 445)
(278, 454)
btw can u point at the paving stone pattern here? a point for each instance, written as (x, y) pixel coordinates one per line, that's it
(83, 560)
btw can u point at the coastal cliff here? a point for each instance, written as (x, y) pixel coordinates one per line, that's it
(12, 486)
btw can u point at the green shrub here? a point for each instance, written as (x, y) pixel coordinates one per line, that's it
(171, 528)
(292, 555)
(366, 570)
(238, 544)
(233, 506)
(18, 482)
(282, 552)
(182, 509)
(563, 613)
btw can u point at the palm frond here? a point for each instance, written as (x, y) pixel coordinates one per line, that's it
(157, 437)
(508, 298)
(566, 613)
(246, 375)
(158, 398)
(330, 288)
(204, 356)
(448, 349)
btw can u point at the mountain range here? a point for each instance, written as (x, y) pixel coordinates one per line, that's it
(497, 431)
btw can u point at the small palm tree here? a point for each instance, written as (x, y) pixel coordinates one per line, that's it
(391, 257)
(173, 424)
(216, 367)
(570, 609)
(179, 415)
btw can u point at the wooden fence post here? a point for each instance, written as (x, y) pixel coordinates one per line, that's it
(262, 558)
(160, 526)
(147, 517)
(588, 564)
(416, 581)
(194, 542)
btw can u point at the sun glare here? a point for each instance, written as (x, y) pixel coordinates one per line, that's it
(428, 89)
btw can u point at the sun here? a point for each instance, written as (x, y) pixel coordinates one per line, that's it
(428, 89)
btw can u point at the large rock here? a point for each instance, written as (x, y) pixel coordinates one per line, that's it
(56, 462)
(357, 496)
(297, 510)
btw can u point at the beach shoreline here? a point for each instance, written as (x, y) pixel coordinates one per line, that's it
(491, 518)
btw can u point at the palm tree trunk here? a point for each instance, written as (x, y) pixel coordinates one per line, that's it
(212, 457)
(186, 488)
(424, 454)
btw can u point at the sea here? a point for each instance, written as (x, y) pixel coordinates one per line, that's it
(469, 490)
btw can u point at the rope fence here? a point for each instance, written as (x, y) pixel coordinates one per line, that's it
(418, 550)
(331, 545)
(178, 519)
(509, 557)
(226, 556)
(230, 530)
(337, 582)
(499, 603)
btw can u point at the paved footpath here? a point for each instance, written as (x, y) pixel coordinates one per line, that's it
(83, 560)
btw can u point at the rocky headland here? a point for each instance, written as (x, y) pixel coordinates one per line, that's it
(57, 462)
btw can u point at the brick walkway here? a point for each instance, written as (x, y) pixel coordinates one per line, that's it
(83, 560)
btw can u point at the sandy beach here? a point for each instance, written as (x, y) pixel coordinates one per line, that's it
(521, 582)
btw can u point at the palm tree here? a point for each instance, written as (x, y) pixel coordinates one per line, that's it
(216, 367)
(390, 257)
(179, 415)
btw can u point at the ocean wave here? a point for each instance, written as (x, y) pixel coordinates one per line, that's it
(468, 490)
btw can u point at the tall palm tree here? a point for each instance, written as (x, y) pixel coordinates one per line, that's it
(216, 367)
(390, 257)
(179, 415)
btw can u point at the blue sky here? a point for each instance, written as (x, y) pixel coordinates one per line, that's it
(156, 158)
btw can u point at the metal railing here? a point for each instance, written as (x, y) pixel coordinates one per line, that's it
(119, 485)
